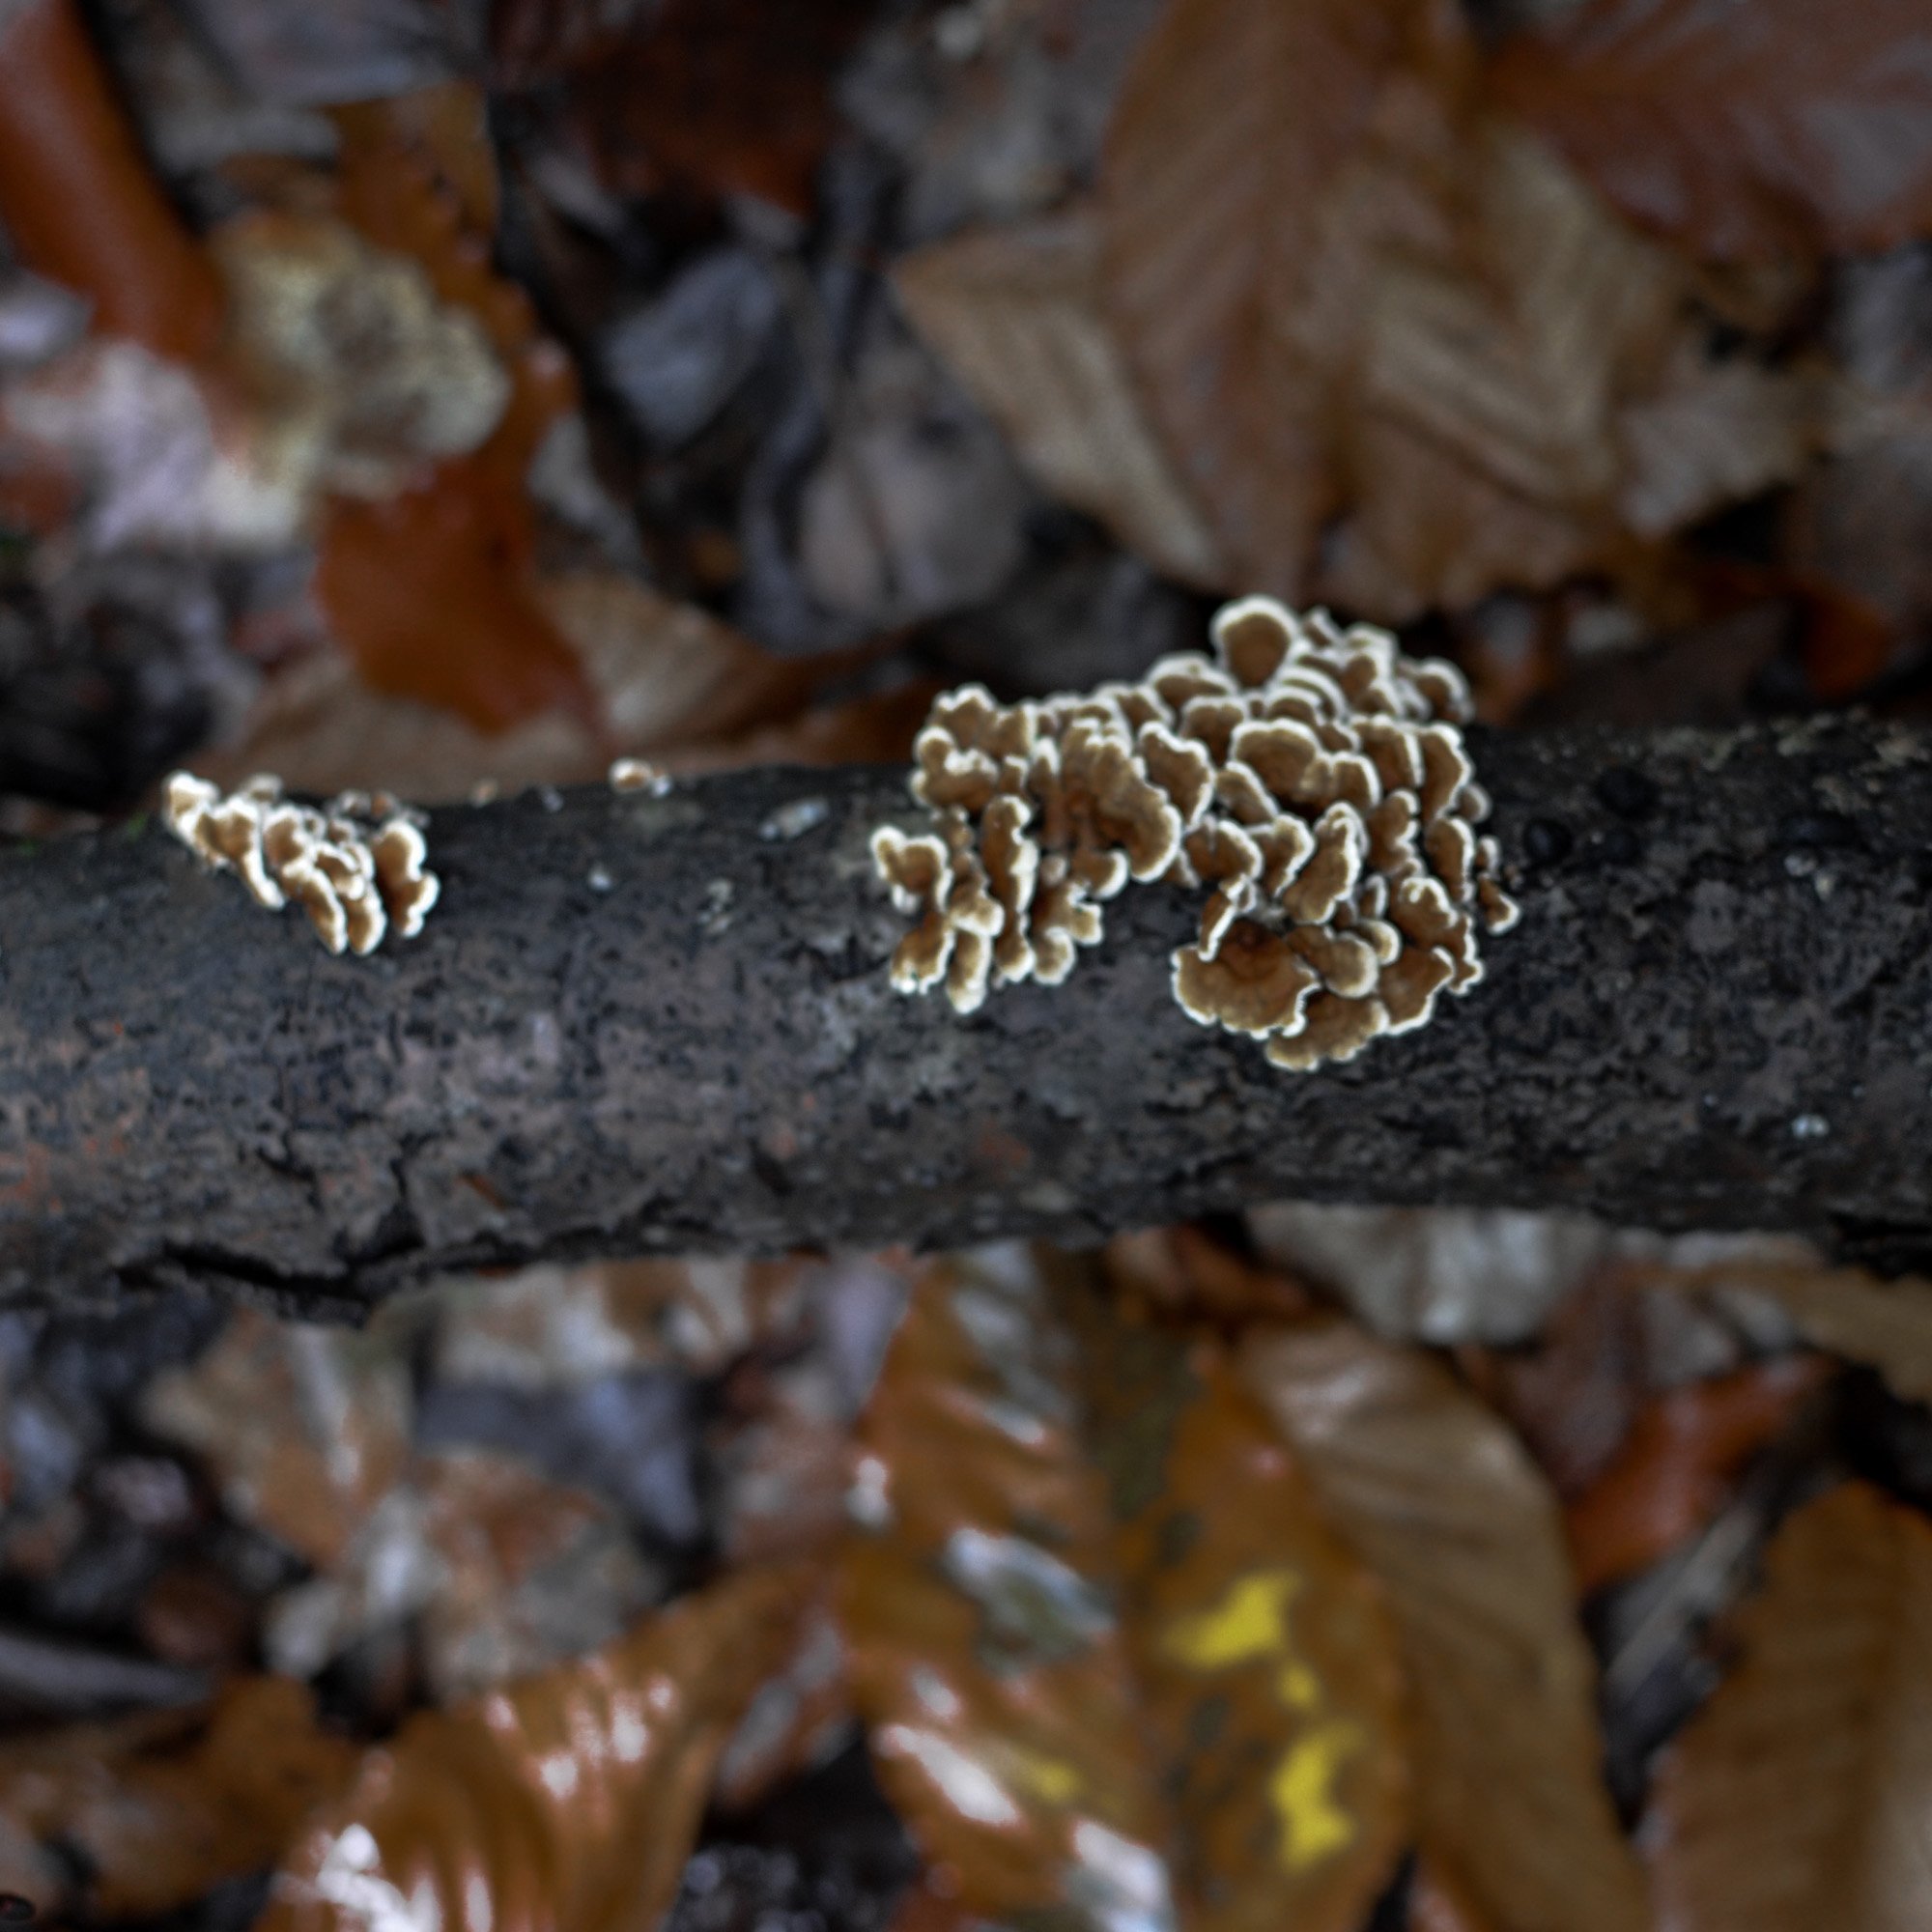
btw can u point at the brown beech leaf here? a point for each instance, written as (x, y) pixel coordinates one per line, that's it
(568, 1800)
(1393, 343)
(1677, 1466)
(1885, 1325)
(1801, 1797)
(1015, 313)
(1746, 132)
(1266, 1657)
(1445, 1508)
(986, 1656)
(162, 1807)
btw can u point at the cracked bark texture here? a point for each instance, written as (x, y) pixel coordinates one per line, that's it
(642, 1024)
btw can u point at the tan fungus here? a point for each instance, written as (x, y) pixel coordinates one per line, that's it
(1309, 779)
(354, 877)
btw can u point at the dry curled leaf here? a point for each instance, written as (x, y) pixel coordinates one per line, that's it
(1015, 313)
(1439, 1501)
(1746, 132)
(162, 1807)
(1268, 1665)
(1392, 342)
(568, 1800)
(1798, 1798)
(986, 1656)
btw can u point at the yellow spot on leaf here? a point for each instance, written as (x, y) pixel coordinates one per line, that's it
(1049, 1778)
(1313, 1824)
(1300, 1687)
(1250, 1620)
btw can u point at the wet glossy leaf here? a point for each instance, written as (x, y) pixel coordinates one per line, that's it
(1015, 313)
(1745, 132)
(1268, 1667)
(1451, 1516)
(1798, 1798)
(569, 1800)
(986, 1656)
(160, 1809)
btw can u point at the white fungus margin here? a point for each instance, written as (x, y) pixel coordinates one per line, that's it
(1310, 781)
(358, 867)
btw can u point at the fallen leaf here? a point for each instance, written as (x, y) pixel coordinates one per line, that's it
(1185, 1272)
(1267, 1660)
(797, 1719)
(1439, 1501)
(431, 589)
(160, 1809)
(1746, 132)
(304, 1428)
(65, 145)
(1885, 1325)
(1677, 1467)
(568, 1800)
(1437, 1904)
(1391, 342)
(986, 1656)
(713, 98)
(1798, 1797)
(1016, 314)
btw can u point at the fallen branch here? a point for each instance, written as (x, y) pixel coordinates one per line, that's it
(641, 1024)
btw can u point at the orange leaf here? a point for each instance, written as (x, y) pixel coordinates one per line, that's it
(433, 591)
(985, 1657)
(162, 1807)
(1747, 132)
(569, 1800)
(1798, 1798)
(78, 198)
(1677, 1466)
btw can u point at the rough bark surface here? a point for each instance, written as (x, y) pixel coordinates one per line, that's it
(664, 1025)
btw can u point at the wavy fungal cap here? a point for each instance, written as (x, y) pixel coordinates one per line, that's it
(357, 868)
(1310, 782)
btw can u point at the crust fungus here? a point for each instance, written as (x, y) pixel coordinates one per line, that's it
(1309, 779)
(356, 866)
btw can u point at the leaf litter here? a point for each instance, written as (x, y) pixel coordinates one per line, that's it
(1148, 1593)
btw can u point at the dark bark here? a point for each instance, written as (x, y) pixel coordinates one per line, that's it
(1716, 1011)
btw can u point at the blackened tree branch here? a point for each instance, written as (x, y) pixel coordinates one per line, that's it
(639, 1024)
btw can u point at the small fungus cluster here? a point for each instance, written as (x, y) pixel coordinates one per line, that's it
(355, 866)
(1310, 779)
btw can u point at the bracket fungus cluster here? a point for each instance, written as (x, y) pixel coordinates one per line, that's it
(1311, 780)
(356, 866)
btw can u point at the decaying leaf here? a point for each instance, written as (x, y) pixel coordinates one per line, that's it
(1268, 1665)
(1168, 1697)
(305, 1428)
(1441, 1501)
(1678, 1464)
(986, 1656)
(569, 1800)
(431, 589)
(162, 1807)
(1885, 1324)
(1802, 1796)
(1016, 314)
(1746, 131)
(1393, 343)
